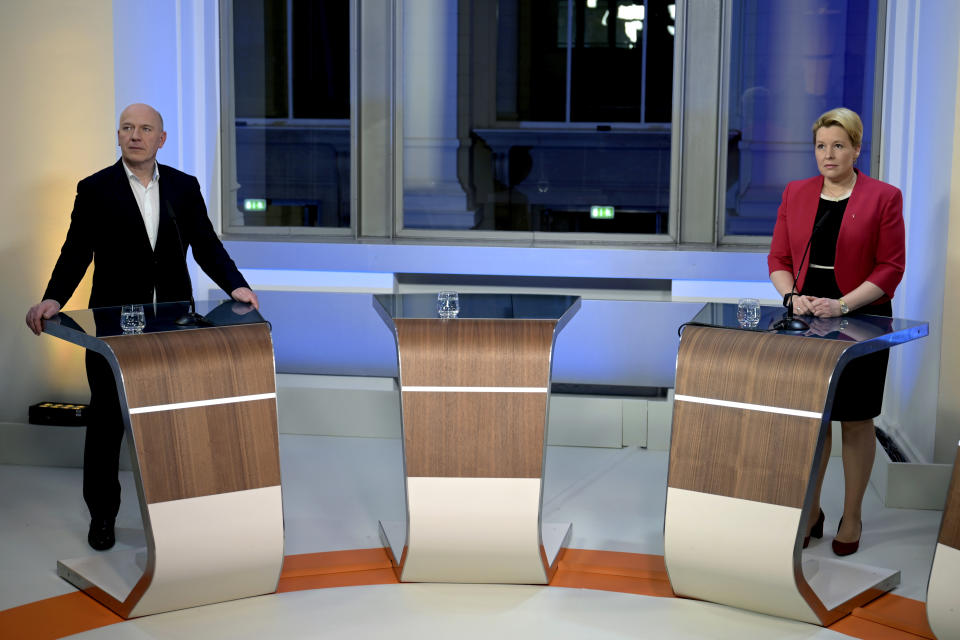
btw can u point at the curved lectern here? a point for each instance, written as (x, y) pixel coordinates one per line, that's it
(474, 393)
(201, 417)
(751, 411)
(943, 601)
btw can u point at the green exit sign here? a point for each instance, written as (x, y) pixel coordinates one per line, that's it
(601, 213)
(256, 204)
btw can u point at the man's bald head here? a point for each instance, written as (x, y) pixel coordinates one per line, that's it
(143, 110)
(140, 135)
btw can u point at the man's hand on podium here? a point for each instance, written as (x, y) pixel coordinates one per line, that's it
(243, 294)
(44, 311)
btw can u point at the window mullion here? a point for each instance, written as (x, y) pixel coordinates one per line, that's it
(290, 59)
(643, 69)
(569, 80)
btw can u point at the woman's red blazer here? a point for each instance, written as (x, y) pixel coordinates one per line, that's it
(870, 245)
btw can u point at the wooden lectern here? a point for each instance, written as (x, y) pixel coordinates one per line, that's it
(200, 414)
(474, 395)
(751, 411)
(943, 588)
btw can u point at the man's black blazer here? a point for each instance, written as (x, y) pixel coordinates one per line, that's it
(106, 227)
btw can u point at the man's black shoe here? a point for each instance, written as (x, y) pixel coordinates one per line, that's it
(101, 535)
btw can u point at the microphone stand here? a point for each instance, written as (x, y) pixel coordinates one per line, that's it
(788, 322)
(191, 318)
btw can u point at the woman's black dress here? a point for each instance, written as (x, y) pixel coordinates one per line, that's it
(859, 394)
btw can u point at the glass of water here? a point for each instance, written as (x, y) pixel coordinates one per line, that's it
(132, 319)
(748, 312)
(448, 304)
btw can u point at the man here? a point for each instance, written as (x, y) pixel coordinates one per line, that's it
(135, 221)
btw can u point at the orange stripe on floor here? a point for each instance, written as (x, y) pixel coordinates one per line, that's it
(889, 617)
(328, 569)
(614, 562)
(897, 612)
(55, 617)
(635, 573)
(869, 630)
(334, 562)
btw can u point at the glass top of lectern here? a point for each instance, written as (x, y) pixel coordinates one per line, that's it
(853, 328)
(502, 306)
(159, 317)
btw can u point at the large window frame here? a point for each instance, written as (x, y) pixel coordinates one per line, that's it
(473, 58)
(699, 126)
(746, 241)
(231, 216)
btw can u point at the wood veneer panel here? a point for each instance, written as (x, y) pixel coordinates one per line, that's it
(950, 527)
(745, 453)
(488, 353)
(207, 450)
(184, 366)
(474, 435)
(752, 455)
(758, 368)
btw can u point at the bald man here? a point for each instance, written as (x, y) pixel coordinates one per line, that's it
(129, 219)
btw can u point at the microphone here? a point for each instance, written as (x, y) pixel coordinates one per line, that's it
(788, 322)
(191, 318)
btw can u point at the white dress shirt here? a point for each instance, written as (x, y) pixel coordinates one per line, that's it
(148, 199)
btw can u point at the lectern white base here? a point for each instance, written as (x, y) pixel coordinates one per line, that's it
(747, 560)
(116, 572)
(556, 535)
(474, 530)
(836, 581)
(205, 549)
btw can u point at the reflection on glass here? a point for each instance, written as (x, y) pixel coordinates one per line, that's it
(292, 107)
(478, 305)
(789, 63)
(855, 328)
(576, 116)
(154, 318)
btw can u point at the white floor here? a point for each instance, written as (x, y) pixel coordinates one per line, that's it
(335, 491)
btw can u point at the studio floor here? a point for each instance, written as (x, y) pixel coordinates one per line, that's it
(334, 492)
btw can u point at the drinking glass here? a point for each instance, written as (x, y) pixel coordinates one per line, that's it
(748, 312)
(448, 304)
(132, 319)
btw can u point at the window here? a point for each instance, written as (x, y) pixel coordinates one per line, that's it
(569, 130)
(291, 107)
(789, 63)
(553, 121)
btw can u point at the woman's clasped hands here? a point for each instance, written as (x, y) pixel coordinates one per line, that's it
(813, 306)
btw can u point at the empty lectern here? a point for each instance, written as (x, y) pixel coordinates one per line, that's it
(474, 396)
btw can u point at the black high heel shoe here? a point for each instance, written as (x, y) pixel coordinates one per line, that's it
(816, 531)
(847, 548)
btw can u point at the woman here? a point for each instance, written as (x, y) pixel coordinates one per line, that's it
(856, 261)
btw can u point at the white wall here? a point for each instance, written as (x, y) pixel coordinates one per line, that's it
(59, 126)
(72, 74)
(919, 124)
(948, 404)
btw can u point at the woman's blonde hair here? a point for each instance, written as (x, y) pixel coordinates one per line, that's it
(844, 118)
